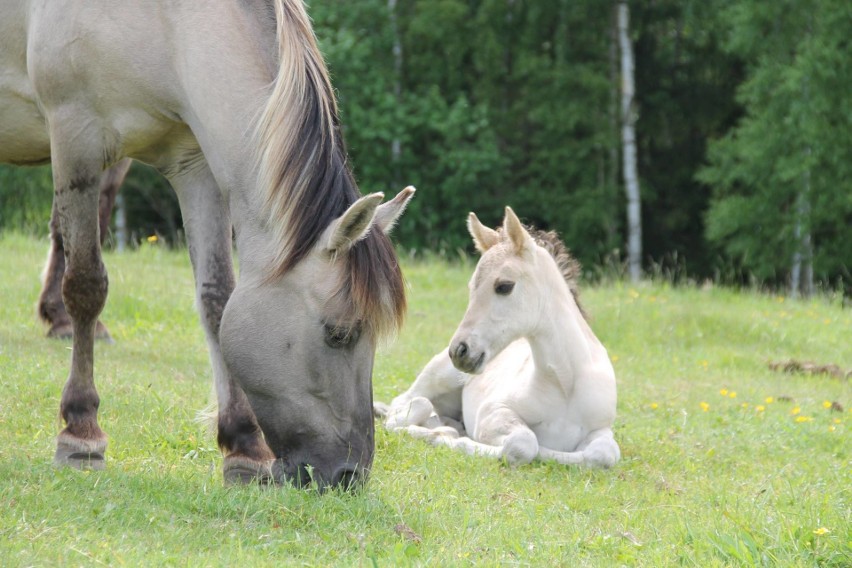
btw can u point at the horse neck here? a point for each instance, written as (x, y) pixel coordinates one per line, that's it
(562, 342)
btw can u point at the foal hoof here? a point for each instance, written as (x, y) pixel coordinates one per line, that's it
(244, 471)
(70, 457)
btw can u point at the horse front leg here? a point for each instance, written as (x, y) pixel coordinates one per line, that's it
(76, 173)
(51, 308)
(247, 457)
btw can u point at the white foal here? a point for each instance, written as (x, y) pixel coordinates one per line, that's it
(524, 376)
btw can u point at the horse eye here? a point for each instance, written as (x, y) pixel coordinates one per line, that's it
(338, 337)
(504, 288)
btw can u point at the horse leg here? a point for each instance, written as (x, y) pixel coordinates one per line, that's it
(51, 308)
(76, 173)
(206, 220)
(440, 384)
(598, 449)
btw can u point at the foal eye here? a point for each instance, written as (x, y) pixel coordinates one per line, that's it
(338, 337)
(504, 287)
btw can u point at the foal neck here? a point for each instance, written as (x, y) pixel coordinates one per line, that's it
(562, 342)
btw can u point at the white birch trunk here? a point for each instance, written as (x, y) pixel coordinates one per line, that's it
(628, 137)
(396, 143)
(802, 271)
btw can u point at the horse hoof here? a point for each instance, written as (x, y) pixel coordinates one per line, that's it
(68, 457)
(61, 331)
(102, 334)
(242, 471)
(66, 331)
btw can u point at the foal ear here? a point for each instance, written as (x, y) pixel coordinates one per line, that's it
(388, 213)
(512, 227)
(353, 225)
(483, 237)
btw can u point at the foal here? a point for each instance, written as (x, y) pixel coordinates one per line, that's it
(524, 376)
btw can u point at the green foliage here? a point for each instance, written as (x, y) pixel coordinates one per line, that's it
(26, 196)
(737, 480)
(788, 150)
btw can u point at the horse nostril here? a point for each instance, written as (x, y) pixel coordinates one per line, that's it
(346, 477)
(461, 350)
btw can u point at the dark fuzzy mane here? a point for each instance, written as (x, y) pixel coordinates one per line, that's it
(568, 265)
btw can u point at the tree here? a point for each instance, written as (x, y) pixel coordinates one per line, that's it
(782, 206)
(628, 136)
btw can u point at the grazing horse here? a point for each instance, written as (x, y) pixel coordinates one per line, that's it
(51, 308)
(231, 101)
(524, 376)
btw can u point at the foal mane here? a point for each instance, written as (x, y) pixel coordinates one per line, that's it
(307, 182)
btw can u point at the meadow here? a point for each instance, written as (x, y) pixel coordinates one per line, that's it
(725, 461)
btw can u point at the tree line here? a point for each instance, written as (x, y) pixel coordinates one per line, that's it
(743, 127)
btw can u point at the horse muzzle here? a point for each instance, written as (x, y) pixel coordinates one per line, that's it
(466, 359)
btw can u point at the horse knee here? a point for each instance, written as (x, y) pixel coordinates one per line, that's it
(520, 447)
(84, 288)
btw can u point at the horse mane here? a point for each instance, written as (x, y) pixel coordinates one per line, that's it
(307, 183)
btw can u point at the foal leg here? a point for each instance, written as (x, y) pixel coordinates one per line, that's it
(599, 449)
(51, 308)
(77, 162)
(208, 232)
(433, 399)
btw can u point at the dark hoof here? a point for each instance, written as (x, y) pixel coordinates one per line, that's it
(101, 334)
(66, 331)
(65, 457)
(242, 471)
(61, 331)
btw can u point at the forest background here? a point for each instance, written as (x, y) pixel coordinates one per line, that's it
(743, 117)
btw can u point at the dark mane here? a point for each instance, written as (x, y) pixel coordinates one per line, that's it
(306, 179)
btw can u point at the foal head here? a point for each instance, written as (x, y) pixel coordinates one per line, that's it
(302, 347)
(509, 291)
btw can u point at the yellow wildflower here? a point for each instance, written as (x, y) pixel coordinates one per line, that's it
(837, 420)
(152, 239)
(760, 408)
(803, 418)
(769, 400)
(795, 410)
(826, 404)
(704, 406)
(723, 392)
(821, 531)
(744, 405)
(732, 394)
(653, 405)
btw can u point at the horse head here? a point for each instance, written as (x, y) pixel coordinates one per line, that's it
(301, 347)
(506, 293)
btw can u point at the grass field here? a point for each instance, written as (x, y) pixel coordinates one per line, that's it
(725, 462)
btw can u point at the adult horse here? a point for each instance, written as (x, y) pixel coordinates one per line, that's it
(524, 376)
(231, 101)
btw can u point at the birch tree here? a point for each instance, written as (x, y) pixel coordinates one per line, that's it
(628, 137)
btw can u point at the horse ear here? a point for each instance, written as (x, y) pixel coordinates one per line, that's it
(353, 225)
(512, 226)
(388, 213)
(483, 237)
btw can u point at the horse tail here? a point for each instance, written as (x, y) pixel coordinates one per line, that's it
(301, 158)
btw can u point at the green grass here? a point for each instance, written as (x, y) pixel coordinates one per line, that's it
(729, 485)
